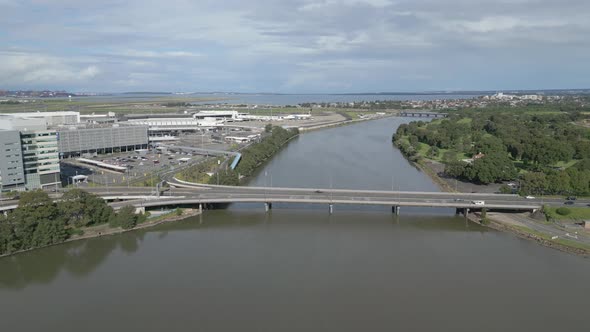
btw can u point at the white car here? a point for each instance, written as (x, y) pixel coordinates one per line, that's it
(530, 197)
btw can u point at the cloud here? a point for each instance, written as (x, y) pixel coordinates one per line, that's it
(35, 69)
(294, 45)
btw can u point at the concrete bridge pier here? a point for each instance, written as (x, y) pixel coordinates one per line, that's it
(466, 212)
(200, 208)
(331, 208)
(140, 210)
(267, 207)
(395, 209)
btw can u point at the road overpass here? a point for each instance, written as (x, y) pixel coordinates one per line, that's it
(183, 193)
(189, 194)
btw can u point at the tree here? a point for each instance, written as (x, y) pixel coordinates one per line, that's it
(36, 222)
(492, 168)
(558, 182)
(80, 208)
(579, 181)
(488, 145)
(533, 183)
(583, 165)
(9, 242)
(456, 169)
(433, 152)
(126, 218)
(268, 128)
(582, 149)
(505, 189)
(450, 156)
(35, 207)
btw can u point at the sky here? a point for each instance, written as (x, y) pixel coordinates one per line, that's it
(294, 46)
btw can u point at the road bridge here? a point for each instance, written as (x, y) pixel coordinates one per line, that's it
(422, 114)
(183, 193)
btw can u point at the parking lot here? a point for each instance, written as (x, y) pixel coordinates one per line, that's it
(143, 166)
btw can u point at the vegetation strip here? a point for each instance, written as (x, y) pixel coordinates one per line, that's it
(539, 149)
(252, 157)
(39, 222)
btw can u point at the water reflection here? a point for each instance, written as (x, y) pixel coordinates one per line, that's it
(78, 258)
(81, 258)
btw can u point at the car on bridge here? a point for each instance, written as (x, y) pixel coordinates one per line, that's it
(530, 197)
(478, 202)
(568, 202)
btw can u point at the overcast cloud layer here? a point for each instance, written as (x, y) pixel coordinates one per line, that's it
(294, 45)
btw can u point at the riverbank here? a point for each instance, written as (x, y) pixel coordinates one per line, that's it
(105, 230)
(549, 236)
(506, 222)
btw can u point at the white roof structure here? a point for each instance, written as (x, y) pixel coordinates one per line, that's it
(51, 118)
(103, 165)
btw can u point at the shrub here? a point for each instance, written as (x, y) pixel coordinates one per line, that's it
(563, 211)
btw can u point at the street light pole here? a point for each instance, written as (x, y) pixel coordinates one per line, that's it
(265, 184)
(331, 187)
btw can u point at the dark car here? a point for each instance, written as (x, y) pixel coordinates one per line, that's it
(571, 198)
(568, 203)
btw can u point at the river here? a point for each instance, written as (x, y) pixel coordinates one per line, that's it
(299, 268)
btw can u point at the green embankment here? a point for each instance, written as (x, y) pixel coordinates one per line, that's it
(252, 157)
(38, 221)
(537, 145)
(575, 213)
(548, 238)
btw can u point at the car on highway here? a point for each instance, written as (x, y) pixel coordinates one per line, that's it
(459, 200)
(568, 202)
(571, 198)
(530, 197)
(478, 202)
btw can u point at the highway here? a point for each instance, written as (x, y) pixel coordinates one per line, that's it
(183, 193)
(228, 194)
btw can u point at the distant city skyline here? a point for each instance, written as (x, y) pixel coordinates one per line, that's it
(294, 46)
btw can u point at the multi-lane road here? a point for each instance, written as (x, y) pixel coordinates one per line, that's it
(182, 193)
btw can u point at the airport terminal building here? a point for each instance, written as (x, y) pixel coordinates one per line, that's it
(29, 158)
(78, 141)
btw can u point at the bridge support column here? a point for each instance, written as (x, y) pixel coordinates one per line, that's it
(395, 209)
(458, 211)
(466, 213)
(267, 207)
(200, 208)
(139, 210)
(331, 208)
